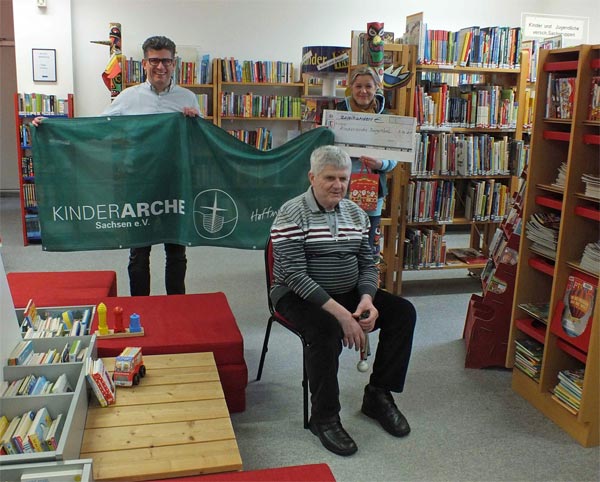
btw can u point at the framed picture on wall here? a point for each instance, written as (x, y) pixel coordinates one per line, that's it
(44, 65)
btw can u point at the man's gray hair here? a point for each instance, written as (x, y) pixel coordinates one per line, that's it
(329, 156)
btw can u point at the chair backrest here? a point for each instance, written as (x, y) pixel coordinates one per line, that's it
(269, 260)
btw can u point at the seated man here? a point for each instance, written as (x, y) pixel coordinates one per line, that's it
(324, 279)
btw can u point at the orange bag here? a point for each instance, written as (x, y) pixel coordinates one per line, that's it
(364, 188)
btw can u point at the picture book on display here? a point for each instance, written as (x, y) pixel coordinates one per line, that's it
(572, 317)
(36, 434)
(579, 305)
(100, 381)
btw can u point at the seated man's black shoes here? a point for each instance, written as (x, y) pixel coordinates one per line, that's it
(379, 404)
(333, 437)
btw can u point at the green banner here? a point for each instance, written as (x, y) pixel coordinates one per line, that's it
(129, 181)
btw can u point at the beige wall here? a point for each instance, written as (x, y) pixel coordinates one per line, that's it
(9, 170)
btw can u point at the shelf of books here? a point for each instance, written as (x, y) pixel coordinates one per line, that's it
(26, 108)
(258, 92)
(316, 98)
(44, 400)
(554, 338)
(470, 143)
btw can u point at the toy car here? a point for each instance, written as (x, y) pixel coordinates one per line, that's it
(129, 367)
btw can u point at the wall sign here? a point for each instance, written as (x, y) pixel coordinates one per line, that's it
(44, 65)
(574, 30)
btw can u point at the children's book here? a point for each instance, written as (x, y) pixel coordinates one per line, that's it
(579, 305)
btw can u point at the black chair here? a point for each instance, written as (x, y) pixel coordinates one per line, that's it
(279, 318)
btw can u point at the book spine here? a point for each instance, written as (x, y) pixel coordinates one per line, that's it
(35, 442)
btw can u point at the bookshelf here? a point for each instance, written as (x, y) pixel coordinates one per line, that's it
(72, 405)
(399, 101)
(258, 102)
(318, 95)
(463, 174)
(26, 108)
(545, 274)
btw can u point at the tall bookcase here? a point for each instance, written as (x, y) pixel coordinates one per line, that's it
(26, 108)
(485, 186)
(544, 276)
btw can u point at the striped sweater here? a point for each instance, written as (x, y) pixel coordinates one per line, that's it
(317, 254)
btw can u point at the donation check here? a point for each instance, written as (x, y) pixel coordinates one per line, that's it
(381, 136)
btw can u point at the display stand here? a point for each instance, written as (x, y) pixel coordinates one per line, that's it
(487, 324)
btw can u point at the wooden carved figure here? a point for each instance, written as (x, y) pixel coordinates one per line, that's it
(112, 75)
(375, 46)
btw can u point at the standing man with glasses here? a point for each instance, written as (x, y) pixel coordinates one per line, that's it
(158, 94)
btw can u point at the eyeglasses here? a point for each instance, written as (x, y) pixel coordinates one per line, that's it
(154, 62)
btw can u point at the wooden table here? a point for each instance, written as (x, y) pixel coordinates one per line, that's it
(174, 423)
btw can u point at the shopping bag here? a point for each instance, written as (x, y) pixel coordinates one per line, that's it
(364, 188)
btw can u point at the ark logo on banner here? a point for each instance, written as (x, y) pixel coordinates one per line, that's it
(215, 214)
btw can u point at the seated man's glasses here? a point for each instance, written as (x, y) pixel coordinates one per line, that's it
(153, 61)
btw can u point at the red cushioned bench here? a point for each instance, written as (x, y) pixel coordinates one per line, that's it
(296, 473)
(61, 288)
(185, 324)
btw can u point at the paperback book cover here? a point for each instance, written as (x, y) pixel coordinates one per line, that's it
(572, 317)
(579, 304)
